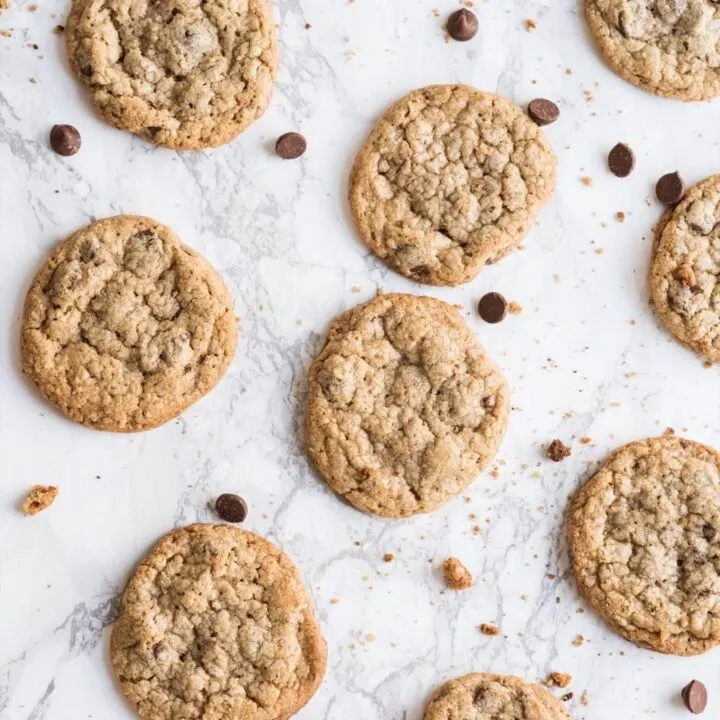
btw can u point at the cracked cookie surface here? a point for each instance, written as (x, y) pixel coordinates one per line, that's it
(450, 180)
(216, 624)
(404, 406)
(668, 47)
(685, 270)
(125, 327)
(645, 543)
(187, 74)
(480, 696)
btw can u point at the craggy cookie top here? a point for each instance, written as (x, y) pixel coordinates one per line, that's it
(404, 406)
(449, 180)
(216, 624)
(493, 697)
(669, 47)
(188, 74)
(685, 273)
(645, 540)
(125, 327)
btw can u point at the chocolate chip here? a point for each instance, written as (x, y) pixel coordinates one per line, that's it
(709, 532)
(290, 146)
(542, 111)
(421, 272)
(621, 160)
(670, 189)
(695, 697)
(231, 508)
(492, 307)
(65, 139)
(462, 25)
(558, 450)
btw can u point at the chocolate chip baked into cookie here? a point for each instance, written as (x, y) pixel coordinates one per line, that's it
(645, 542)
(180, 73)
(450, 179)
(216, 624)
(669, 47)
(125, 327)
(405, 408)
(486, 697)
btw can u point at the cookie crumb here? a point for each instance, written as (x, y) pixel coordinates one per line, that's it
(578, 641)
(585, 698)
(39, 498)
(490, 630)
(388, 557)
(568, 697)
(558, 679)
(308, 26)
(530, 25)
(668, 432)
(457, 576)
(585, 439)
(620, 216)
(33, 8)
(558, 450)
(514, 308)
(585, 180)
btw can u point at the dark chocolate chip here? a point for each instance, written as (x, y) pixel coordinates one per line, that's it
(420, 272)
(695, 697)
(65, 139)
(621, 160)
(709, 532)
(462, 25)
(492, 307)
(670, 189)
(542, 111)
(231, 508)
(290, 145)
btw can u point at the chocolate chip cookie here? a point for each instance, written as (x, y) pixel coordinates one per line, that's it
(685, 269)
(404, 406)
(125, 327)
(481, 697)
(216, 623)
(668, 47)
(180, 73)
(645, 541)
(450, 180)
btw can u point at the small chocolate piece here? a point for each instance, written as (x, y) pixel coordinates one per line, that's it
(558, 450)
(492, 307)
(695, 697)
(670, 189)
(462, 25)
(65, 140)
(621, 160)
(290, 146)
(709, 532)
(542, 111)
(231, 508)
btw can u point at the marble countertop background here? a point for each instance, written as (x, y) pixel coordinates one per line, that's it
(586, 359)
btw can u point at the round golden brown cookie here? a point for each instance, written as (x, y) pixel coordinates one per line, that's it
(685, 270)
(645, 541)
(668, 47)
(450, 180)
(404, 406)
(180, 73)
(489, 697)
(215, 623)
(125, 327)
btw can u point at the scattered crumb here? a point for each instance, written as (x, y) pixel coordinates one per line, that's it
(669, 432)
(585, 180)
(585, 439)
(308, 26)
(457, 576)
(371, 637)
(5, 33)
(33, 81)
(436, 12)
(39, 498)
(557, 450)
(620, 216)
(514, 308)
(388, 557)
(578, 641)
(585, 698)
(568, 697)
(568, 71)
(491, 630)
(33, 8)
(530, 25)
(334, 601)
(355, 289)
(588, 95)
(558, 679)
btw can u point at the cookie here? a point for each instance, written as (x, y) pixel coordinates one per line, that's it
(125, 327)
(480, 695)
(645, 542)
(180, 73)
(404, 406)
(685, 270)
(450, 180)
(668, 47)
(215, 623)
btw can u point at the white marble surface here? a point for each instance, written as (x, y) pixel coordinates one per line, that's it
(584, 358)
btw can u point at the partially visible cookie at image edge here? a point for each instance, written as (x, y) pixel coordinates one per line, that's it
(124, 327)
(216, 623)
(449, 180)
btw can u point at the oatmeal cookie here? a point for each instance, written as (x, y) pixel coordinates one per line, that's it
(180, 73)
(125, 327)
(450, 180)
(404, 406)
(668, 47)
(685, 269)
(645, 541)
